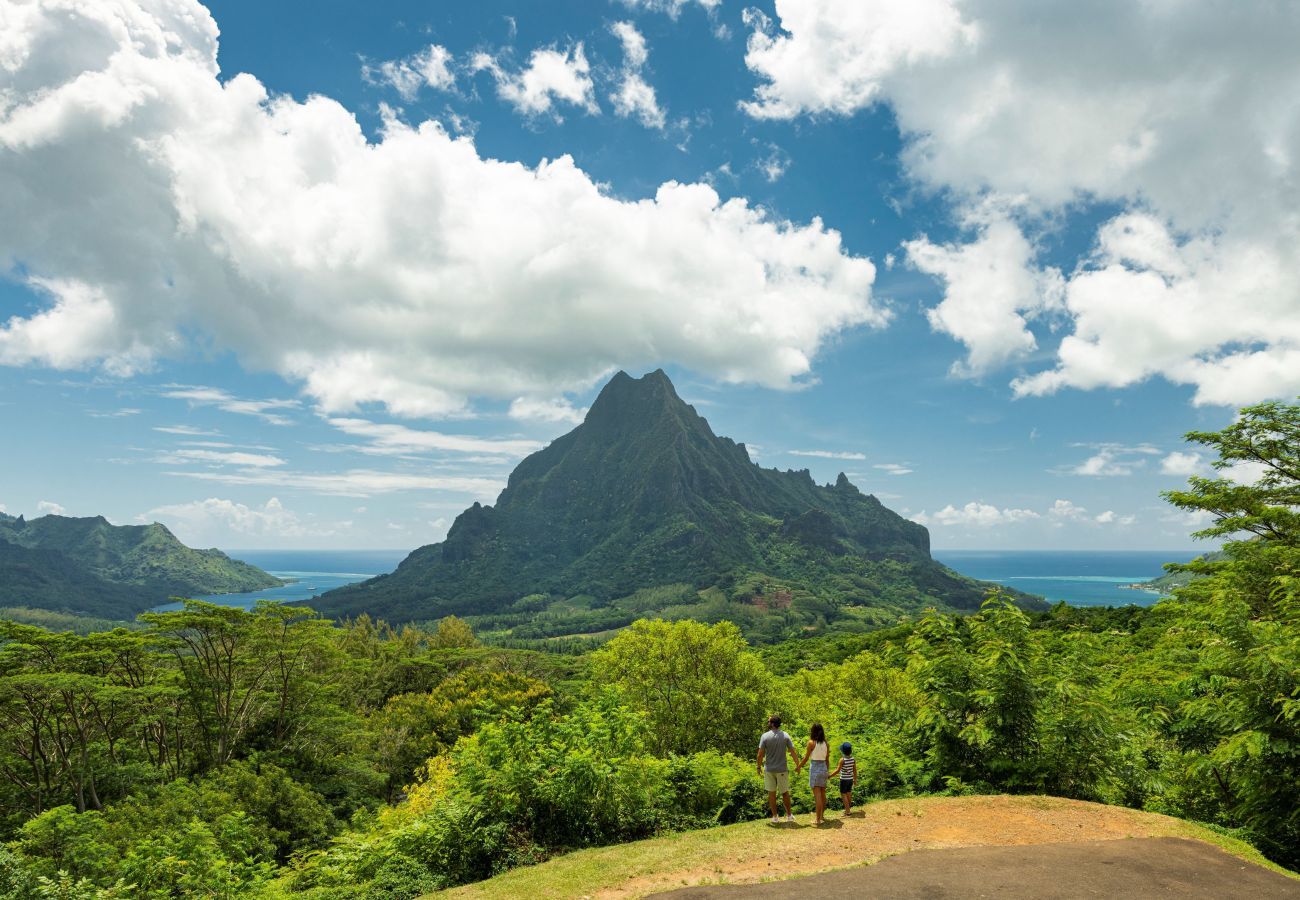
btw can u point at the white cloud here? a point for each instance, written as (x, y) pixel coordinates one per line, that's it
(352, 483)
(221, 458)
(116, 413)
(212, 521)
(1066, 510)
(975, 514)
(431, 67)
(985, 515)
(397, 440)
(827, 454)
(1182, 464)
(991, 290)
(533, 409)
(893, 468)
(551, 75)
(223, 400)
(1181, 115)
(1112, 460)
(50, 508)
(634, 96)
(672, 7)
(409, 271)
(774, 164)
(188, 430)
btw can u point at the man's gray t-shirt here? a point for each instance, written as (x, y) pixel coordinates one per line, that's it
(774, 744)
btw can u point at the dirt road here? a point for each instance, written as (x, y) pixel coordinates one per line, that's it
(1136, 868)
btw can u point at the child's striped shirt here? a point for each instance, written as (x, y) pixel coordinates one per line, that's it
(848, 768)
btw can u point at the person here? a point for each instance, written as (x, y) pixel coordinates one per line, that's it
(819, 752)
(847, 772)
(772, 749)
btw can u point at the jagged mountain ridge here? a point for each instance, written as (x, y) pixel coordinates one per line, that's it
(643, 494)
(88, 565)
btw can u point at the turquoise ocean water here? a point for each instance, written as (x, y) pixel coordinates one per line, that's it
(1079, 577)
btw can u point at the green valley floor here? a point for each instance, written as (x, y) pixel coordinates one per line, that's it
(758, 852)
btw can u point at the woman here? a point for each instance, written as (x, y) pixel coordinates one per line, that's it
(819, 753)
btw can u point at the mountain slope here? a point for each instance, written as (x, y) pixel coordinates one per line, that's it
(89, 565)
(643, 509)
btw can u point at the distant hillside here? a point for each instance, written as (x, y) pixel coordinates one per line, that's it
(91, 567)
(643, 510)
(1168, 583)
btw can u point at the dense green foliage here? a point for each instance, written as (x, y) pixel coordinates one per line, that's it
(643, 511)
(90, 567)
(270, 753)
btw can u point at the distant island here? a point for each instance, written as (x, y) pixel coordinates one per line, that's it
(643, 511)
(88, 566)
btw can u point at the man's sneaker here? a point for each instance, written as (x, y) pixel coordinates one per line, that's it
(789, 817)
(776, 821)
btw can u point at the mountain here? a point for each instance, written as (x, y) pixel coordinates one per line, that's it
(89, 566)
(643, 510)
(1171, 581)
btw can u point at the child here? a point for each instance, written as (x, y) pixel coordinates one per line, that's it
(847, 771)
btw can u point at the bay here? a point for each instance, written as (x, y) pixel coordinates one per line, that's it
(1078, 577)
(309, 573)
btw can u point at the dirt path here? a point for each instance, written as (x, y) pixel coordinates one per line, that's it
(892, 827)
(1140, 868)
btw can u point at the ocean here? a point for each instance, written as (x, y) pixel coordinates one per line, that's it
(309, 572)
(1079, 577)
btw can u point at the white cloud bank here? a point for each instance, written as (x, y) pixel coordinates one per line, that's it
(149, 200)
(1182, 114)
(978, 514)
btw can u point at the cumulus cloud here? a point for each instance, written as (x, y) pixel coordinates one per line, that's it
(211, 521)
(1179, 114)
(976, 514)
(431, 67)
(551, 75)
(979, 514)
(633, 95)
(1180, 463)
(50, 508)
(991, 290)
(152, 201)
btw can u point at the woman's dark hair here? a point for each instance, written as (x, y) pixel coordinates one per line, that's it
(818, 733)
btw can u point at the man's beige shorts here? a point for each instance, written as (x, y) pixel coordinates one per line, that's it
(777, 782)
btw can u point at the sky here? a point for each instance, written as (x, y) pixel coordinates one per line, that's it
(318, 275)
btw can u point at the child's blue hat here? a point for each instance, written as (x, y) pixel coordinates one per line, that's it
(846, 747)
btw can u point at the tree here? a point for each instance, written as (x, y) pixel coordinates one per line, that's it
(1240, 721)
(699, 685)
(1265, 437)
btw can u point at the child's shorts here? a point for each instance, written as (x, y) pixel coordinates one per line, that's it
(846, 787)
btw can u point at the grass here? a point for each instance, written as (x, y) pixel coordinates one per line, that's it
(756, 851)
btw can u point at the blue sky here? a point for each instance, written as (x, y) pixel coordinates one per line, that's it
(326, 290)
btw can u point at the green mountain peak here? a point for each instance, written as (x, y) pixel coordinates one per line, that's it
(644, 495)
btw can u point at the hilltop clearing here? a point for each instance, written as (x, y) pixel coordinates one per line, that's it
(755, 852)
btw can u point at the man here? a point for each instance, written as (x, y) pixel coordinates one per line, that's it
(772, 749)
